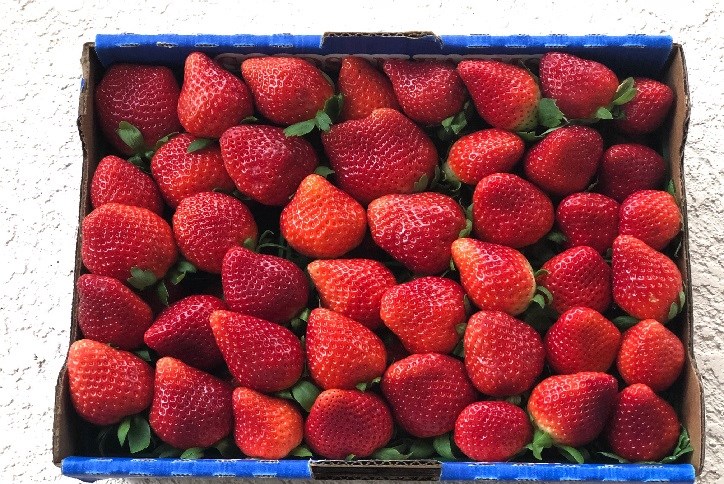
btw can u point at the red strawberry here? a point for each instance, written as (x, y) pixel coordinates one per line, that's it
(428, 91)
(648, 108)
(496, 277)
(206, 225)
(144, 96)
(424, 313)
(261, 355)
(503, 355)
(577, 277)
(364, 89)
(588, 219)
(183, 331)
(643, 426)
(109, 312)
(344, 422)
(116, 238)
(646, 283)
(565, 161)
(107, 384)
(579, 86)
(265, 427)
(266, 165)
(628, 168)
(651, 216)
(381, 154)
(286, 90)
(650, 354)
(341, 352)
(180, 173)
(322, 221)
(510, 211)
(190, 407)
(506, 96)
(212, 98)
(573, 409)
(417, 229)
(352, 287)
(264, 286)
(116, 180)
(570, 340)
(482, 153)
(492, 431)
(427, 392)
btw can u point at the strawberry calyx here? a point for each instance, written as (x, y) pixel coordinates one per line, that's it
(454, 126)
(543, 440)
(142, 153)
(135, 430)
(322, 120)
(304, 392)
(364, 386)
(677, 306)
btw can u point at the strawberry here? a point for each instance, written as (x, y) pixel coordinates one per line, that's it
(573, 409)
(565, 160)
(505, 96)
(364, 89)
(144, 96)
(424, 313)
(381, 154)
(266, 165)
(577, 277)
(344, 422)
(106, 384)
(503, 355)
(286, 90)
(496, 277)
(646, 283)
(482, 153)
(428, 91)
(212, 98)
(261, 355)
(341, 352)
(579, 86)
(510, 211)
(628, 168)
(116, 238)
(569, 341)
(652, 216)
(264, 286)
(352, 287)
(643, 426)
(265, 427)
(648, 108)
(180, 173)
(206, 225)
(190, 407)
(427, 392)
(492, 431)
(322, 221)
(183, 332)
(588, 219)
(116, 180)
(109, 312)
(651, 354)
(417, 229)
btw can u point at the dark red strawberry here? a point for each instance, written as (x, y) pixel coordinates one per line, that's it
(492, 431)
(651, 216)
(116, 180)
(364, 89)
(648, 108)
(482, 153)
(588, 219)
(628, 168)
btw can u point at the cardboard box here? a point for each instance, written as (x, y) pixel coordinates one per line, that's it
(652, 56)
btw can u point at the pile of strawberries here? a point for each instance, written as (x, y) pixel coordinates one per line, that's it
(429, 260)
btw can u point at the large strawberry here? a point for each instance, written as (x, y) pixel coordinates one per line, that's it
(427, 392)
(482, 153)
(381, 154)
(492, 431)
(651, 216)
(364, 89)
(107, 384)
(506, 96)
(509, 210)
(347, 422)
(630, 167)
(648, 108)
(503, 355)
(117, 180)
(424, 313)
(322, 221)
(417, 229)
(588, 219)
(212, 98)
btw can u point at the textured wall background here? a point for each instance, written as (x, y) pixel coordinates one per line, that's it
(41, 156)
